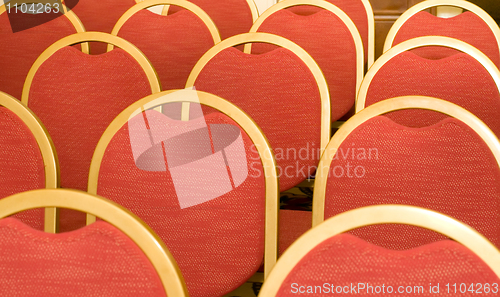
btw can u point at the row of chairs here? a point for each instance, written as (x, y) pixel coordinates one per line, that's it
(155, 166)
(122, 256)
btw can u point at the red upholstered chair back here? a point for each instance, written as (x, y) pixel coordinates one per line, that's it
(27, 157)
(203, 185)
(19, 49)
(451, 167)
(232, 17)
(282, 90)
(330, 37)
(100, 16)
(361, 14)
(467, 78)
(474, 26)
(77, 95)
(173, 43)
(326, 261)
(65, 261)
(117, 257)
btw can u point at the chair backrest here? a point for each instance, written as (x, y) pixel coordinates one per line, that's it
(339, 54)
(20, 49)
(207, 186)
(473, 26)
(361, 14)
(77, 95)
(86, 93)
(100, 16)
(284, 91)
(451, 167)
(173, 43)
(325, 261)
(120, 256)
(28, 160)
(467, 78)
(232, 17)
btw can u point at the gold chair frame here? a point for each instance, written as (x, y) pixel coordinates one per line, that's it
(358, 43)
(382, 107)
(371, 26)
(435, 3)
(375, 215)
(46, 147)
(128, 223)
(148, 69)
(281, 42)
(181, 3)
(421, 42)
(245, 122)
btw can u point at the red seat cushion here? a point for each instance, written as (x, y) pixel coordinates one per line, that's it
(466, 26)
(355, 10)
(19, 50)
(101, 16)
(326, 38)
(349, 265)
(446, 167)
(21, 163)
(173, 43)
(219, 243)
(292, 224)
(459, 78)
(274, 89)
(232, 17)
(98, 260)
(77, 96)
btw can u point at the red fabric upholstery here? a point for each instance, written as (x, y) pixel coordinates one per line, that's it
(172, 43)
(326, 38)
(460, 79)
(19, 50)
(76, 96)
(355, 10)
(21, 163)
(446, 167)
(292, 224)
(232, 17)
(217, 244)
(101, 16)
(345, 260)
(98, 260)
(466, 26)
(279, 92)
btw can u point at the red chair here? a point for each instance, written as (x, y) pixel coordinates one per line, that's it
(451, 167)
(474, 26)
(19, 50)
(77, 95)
(27, 159)
(100, 16)
(232, 17)
(284, 91)
(120, 256)
(467, 78)
(173, 43)
(361, 14)
(326, 261)
(206, 185)
(339, 53)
